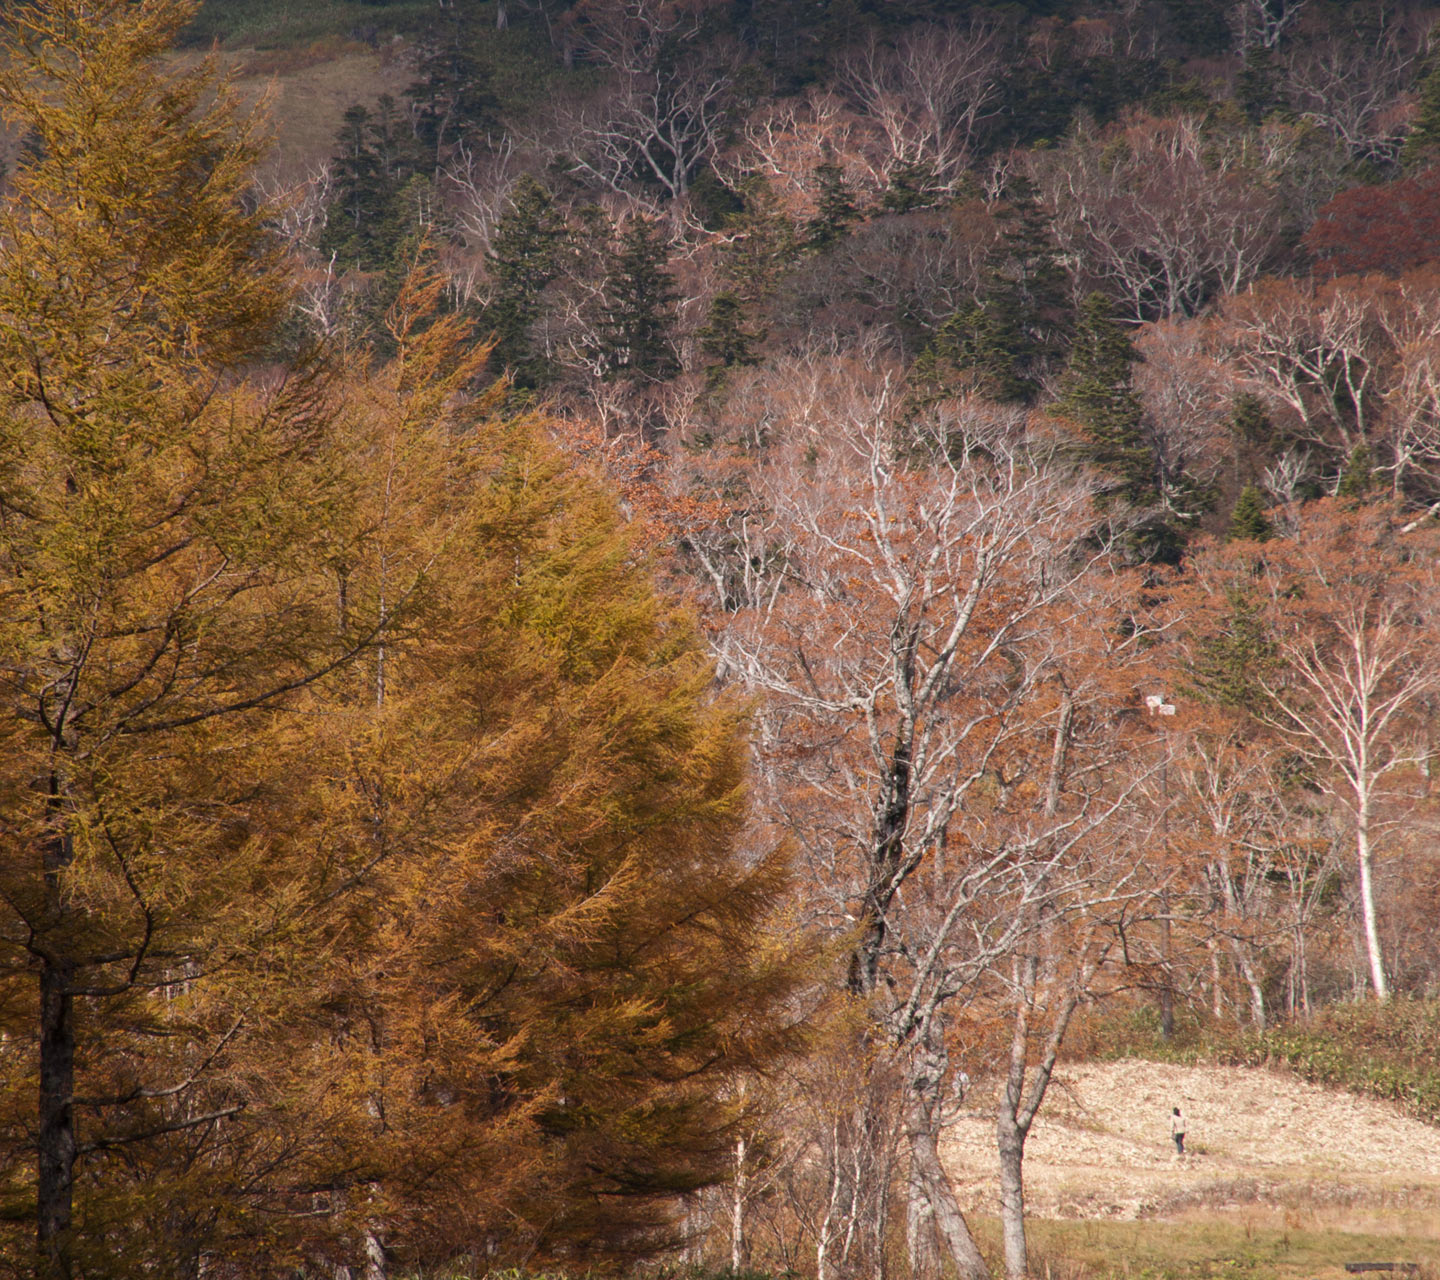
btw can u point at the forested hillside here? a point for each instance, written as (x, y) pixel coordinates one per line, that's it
(590, 645)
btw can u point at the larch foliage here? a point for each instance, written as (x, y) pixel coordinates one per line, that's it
(371, 874)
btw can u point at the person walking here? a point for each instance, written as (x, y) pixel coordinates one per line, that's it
(1177, 1130)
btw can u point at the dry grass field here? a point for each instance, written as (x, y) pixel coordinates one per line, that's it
(1281, 1178)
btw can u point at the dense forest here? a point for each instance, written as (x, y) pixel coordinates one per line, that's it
(721, 572)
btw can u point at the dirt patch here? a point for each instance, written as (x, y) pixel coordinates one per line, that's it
(1101, 1145)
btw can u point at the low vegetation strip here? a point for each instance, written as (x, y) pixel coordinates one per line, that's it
(1389, 1051)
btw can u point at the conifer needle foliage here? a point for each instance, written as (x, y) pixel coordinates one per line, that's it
(370, 871)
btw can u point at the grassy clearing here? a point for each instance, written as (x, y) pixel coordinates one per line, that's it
(1246, 1244)
(1389, 1051)
(284, 24)
(318, 52)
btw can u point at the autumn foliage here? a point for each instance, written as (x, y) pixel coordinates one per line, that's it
(372, 878)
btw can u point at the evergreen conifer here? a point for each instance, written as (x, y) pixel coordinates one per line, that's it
(1357, 477)
(1422, 143)
(1098, 396)
(451, 94)
(360, 223)
(1230, 663)
(1249, 521)
(724, 337)
(526, 254)
(639, 297)
(835, 209)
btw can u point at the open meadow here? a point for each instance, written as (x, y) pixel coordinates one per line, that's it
(1281, 1178)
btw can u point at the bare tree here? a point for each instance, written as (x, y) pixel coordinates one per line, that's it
(1348, 611)
(1263, 23)
(668, 102)
(1355, 86)
(930, 95)
(786, 140)
(1162, 214)
(921, 646)
(1349, 363)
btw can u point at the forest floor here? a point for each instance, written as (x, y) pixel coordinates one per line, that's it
(1280, 1178)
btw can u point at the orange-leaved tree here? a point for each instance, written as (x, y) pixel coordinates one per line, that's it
(366, 831)
(559, 966)
(165, 531)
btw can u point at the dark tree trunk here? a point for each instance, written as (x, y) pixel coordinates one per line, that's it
(56, 1139)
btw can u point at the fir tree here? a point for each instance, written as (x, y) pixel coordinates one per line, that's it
(526, 254)
(1231, 662)
(359, 226)
(1031, 268)
(1257, 86)
(639, 297)
(373, 161)
(835, 206)
(1098, 396)
(1250, 421)
(1249, 520)
(1422, 143)
(1003, 343)
(911, 186)
(1357, 478)
(724, 337)
(452, 95)
(984, 346)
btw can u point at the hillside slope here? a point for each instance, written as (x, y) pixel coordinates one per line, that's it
(1101, 1145)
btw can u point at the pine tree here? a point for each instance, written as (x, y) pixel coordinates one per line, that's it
(1249, 520)
(639, 297)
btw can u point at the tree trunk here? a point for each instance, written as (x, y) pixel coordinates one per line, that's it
(1019, 1106)
(374, 1255)
(927, 1174)
(921, 1242)
(1252, 982)
(1011, 1145)
(737, 1208)
(1367, 901)
(55, 1142)
(1167, 992)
